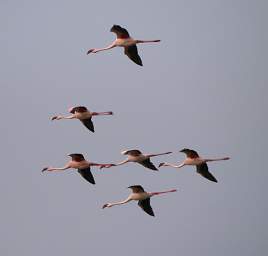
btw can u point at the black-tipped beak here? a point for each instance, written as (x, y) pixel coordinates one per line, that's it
(104, 206)
(90, 51)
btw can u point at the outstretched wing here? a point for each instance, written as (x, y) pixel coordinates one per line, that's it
(136, 188)
(190, 153)
(88, 123)
(79, 109)
(132, 152)
(148, 164)
(132, 53)
(86, 174)
(77, 157)
(119, 31)
(203, 170)
(145, 205)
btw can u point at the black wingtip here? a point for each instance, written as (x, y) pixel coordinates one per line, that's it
(111, 29)
(153, 168)
(212, 179)
(151, 214)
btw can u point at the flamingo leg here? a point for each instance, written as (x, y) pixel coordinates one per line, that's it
(102, 113)
(162, 192)
(172, 165)
(216, 159)
(152, 155)
(147, 41)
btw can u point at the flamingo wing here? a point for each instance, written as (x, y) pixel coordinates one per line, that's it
(202, 169)
(146, 206)
(88, 123)
(77, 157)
(79, 109)
(87, 175)
(190, 153)
(136, 188)
(148, 164)
(132, 152)
(119, 31)
(132, 53)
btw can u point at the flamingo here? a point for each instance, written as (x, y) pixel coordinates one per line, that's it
(192, 158)
(83, 114)
(135, 155)
(138, 194)
(123, 39)
(78, 162)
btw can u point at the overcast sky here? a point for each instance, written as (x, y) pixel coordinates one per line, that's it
(203, 87)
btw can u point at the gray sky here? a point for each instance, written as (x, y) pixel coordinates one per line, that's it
(203, 87)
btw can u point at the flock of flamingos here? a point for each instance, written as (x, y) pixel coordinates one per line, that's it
(85, 116)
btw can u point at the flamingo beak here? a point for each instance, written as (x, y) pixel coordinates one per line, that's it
(104, 206)
(89, 51)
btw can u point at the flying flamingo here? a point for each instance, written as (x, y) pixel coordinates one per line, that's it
(136, 156)
(83, 114)
(78, 162)
(124, 40)
(192, 158)
(138, 194)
